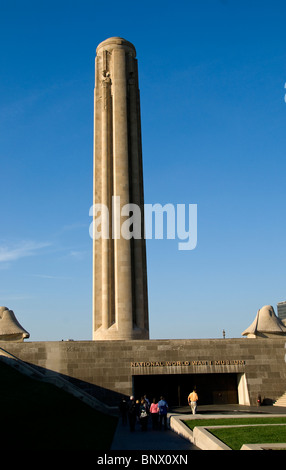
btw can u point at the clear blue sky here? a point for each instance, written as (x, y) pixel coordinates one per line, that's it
(212, 76)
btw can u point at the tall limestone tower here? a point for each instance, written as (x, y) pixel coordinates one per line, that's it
(120, 301)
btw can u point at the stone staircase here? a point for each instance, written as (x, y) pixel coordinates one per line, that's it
(281, 401)
(55, 379)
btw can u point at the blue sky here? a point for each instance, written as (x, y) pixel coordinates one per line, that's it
(212, 79)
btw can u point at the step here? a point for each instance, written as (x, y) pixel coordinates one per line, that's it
(281, 401)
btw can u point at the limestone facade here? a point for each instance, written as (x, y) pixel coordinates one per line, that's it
(120, 301)
(110, 367)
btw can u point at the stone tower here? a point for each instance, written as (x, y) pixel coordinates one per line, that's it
(120, 300)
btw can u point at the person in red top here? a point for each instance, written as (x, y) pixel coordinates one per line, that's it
(154, 411)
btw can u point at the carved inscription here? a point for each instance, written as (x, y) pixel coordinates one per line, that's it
(237, 362)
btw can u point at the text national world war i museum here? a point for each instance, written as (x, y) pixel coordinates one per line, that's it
(121, 359)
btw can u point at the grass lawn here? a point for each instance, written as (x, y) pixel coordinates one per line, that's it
(192, 423)
(236, 437)
(40, 416)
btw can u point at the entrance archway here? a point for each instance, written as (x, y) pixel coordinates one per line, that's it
(213, 389)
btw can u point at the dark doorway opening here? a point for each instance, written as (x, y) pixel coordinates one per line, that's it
(213, 389)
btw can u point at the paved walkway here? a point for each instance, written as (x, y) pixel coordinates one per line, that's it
(148, 440)
(169, 440)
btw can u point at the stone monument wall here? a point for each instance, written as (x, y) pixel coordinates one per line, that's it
(107, 368)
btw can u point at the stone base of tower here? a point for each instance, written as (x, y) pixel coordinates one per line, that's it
(113, 333)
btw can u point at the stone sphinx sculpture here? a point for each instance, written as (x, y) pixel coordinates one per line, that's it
(266, 325)
(10, 328)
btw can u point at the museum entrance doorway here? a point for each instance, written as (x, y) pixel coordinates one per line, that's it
(213, 389)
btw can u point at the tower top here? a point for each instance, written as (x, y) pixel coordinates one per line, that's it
(114, 42)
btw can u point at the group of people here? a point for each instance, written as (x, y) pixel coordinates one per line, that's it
(141, 411)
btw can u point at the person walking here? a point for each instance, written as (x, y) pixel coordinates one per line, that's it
(147, 401)
(163, 409)
(123, 410)
(154, 412)
(192, 400)
(143, 415)
(132, 413)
